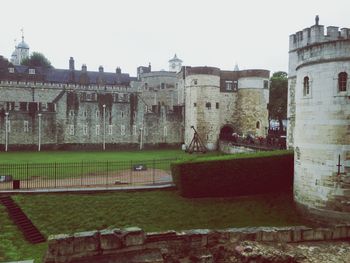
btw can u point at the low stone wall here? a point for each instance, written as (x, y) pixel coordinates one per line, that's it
(134, 245)
(229, 148)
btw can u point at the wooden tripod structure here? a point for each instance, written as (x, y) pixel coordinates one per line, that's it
(196, 144)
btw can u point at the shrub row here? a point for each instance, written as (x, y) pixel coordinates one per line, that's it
(233, 175)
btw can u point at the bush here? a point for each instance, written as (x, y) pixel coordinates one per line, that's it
(233, 175)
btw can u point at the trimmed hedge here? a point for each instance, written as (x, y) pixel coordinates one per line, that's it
(233, 175)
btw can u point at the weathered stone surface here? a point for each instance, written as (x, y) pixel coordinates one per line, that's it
(341, 232)
(60, 245)
(132, 236)
(110, 240)
(267, 244)
(86, 242)
(319, 122)
(285, 234)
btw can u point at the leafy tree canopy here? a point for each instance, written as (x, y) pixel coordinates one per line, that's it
(36, 59)
(278, 96)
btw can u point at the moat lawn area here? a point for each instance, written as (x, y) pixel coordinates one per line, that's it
(92, 156)
(151, 210)
(90, 167)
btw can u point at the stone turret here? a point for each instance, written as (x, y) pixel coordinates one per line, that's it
(318, 113)
(21, 52)
(202, 94)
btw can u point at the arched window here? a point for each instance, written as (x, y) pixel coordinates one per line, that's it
(306, 90)
(258, 124)
(342, 81)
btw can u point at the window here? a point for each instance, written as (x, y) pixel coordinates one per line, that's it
(146, 85)
(71, 129)
(217, 105)
(122, 130)
(122, 114)
(83, 96)
(165, 131)
(97, 114)
(228, 85)
(110, 129)
(71, 113)
(258, 124)
(195, 82)
(97, 129)
(342, 81)
(194, 104)
(26, 126)
(306, 90)
(85, 129)
(162, 85)
(208, 105)
(266, 84)
(11, 70)
(235, 85)
(84, 113)
(31, 71)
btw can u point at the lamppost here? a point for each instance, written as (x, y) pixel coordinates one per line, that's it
(104, 126)
(141, 139)
(6, 131)
(39, 132)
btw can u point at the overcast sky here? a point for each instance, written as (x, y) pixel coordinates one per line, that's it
(131, 33)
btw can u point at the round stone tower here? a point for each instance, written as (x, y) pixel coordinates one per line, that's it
(252, 100)
(202, 97)
(319, 122)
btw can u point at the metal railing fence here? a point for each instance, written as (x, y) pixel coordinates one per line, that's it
(85, 174)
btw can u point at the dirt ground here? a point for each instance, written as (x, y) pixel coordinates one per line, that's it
(120, 178)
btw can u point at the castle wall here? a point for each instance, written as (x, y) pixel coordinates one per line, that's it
(158, 88)
(320, 116)
(228, 115)
(203, 108)
(76, 117)
(251, 106)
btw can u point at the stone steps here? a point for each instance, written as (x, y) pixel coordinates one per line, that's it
(29, 230)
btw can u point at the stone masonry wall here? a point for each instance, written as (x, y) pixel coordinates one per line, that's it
(133, 245)
(73, 117)
(203, 108)
(319, 121)
(251, 108)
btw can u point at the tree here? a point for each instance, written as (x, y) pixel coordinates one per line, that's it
(278, 97)
(36, 59)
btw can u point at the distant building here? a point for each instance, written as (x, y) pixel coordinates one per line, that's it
(78, 109)
(175, 64)
(21, 52)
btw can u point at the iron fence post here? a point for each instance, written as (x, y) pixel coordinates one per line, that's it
(27, 175)
(107, 175)
(131, 172)
(81, 173)
(55, 174)
(154, 171)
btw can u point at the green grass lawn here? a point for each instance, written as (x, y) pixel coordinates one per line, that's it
(60, 164)
(152, 211)
(78, 156)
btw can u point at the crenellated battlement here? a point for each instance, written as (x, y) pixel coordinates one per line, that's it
(316, 34)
